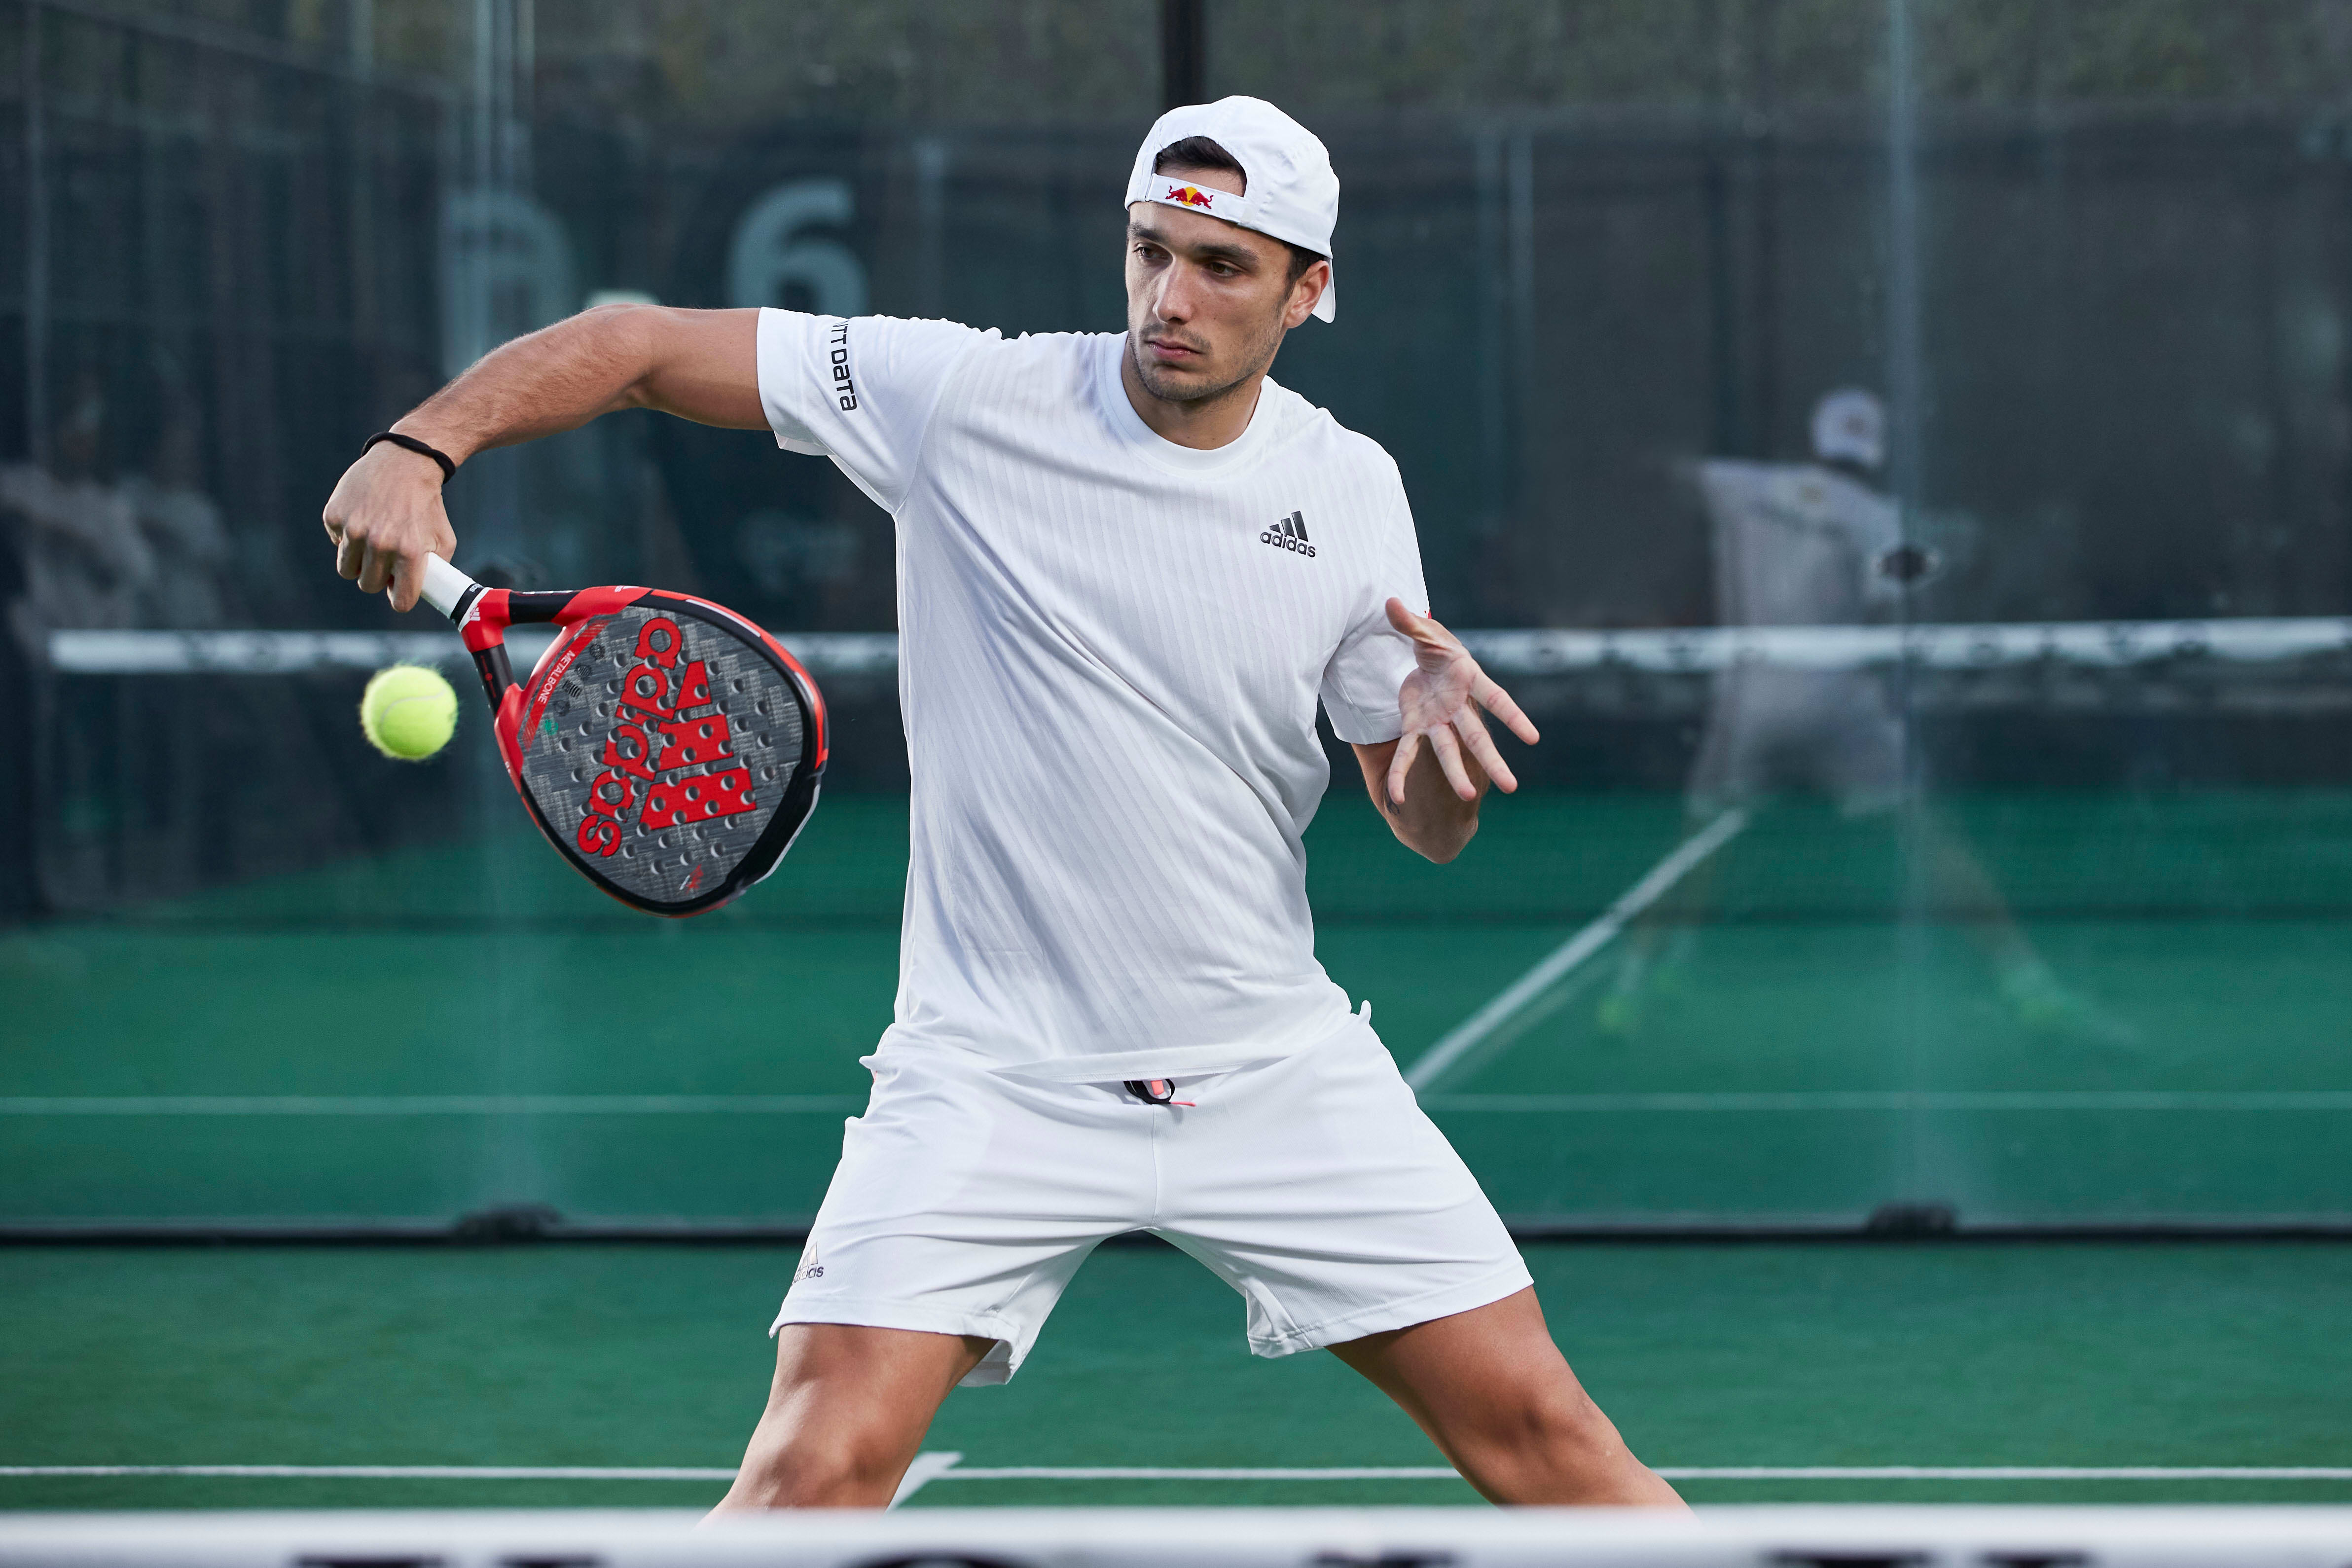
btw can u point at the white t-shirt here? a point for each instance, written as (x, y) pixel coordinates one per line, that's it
(1797, 544)
(1110, 652)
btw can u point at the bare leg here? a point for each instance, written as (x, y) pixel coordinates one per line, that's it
(1683, 907)
(1957, 881)
(1497, 1397)
(846, 1415)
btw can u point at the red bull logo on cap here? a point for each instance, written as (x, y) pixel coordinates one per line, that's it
(1190, 197)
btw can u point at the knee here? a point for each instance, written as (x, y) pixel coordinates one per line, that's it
(1560, 1422)
(841, 1470)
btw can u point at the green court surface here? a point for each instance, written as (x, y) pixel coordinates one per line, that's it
(2179, 1355)
(1817, 1027)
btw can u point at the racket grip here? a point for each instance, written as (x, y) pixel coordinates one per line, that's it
(444, 585)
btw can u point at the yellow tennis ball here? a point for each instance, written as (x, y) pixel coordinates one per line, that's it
(408, 711)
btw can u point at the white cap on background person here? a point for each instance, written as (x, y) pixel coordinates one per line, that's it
(1292, 192)
(1850, 424)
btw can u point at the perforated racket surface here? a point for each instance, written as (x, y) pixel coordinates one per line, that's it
(668, 748)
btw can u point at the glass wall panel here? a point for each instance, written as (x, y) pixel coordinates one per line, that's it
(1897, 449)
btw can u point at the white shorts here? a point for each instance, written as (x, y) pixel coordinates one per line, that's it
(1314, 1185)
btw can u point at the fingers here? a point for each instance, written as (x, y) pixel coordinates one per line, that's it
(1401, 763)
(1420, 628)
(384, 520)
(1447, 749)
(407, 583)
(1498, 703)
(375, 568)
(1482, 746)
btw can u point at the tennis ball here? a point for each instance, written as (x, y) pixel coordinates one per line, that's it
(408, 711)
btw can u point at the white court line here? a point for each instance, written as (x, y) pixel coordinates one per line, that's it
(2200, 1101)
(426, 1104)
(1199, 1473)
(394, 1472)
(944, 1467)
(1577, 949)
(928, 1468)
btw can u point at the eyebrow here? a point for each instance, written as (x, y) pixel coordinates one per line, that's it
(1214, 251)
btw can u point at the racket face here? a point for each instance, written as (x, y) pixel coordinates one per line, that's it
(668, 751)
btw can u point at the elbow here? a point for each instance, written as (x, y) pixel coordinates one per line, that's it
(627, 336)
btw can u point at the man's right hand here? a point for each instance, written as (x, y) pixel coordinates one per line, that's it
(386, 517)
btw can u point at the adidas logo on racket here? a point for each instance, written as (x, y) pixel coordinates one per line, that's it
(667, 747)
(1291, 534)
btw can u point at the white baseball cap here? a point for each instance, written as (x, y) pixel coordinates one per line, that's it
(1292, 192)
(1851, 423)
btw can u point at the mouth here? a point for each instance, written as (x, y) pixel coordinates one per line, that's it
(1174, 351)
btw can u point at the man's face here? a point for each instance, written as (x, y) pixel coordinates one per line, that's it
(1207, 302)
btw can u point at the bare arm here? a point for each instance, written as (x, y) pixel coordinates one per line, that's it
(386, 516)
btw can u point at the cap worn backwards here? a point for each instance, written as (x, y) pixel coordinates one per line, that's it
(1292, 192)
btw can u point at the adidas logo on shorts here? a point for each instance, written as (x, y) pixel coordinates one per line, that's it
(810, 1268)
(1289, 534)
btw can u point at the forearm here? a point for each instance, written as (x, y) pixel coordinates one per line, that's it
(700, 365)
(386, 515)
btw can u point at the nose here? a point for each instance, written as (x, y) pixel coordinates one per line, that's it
(1175, 301)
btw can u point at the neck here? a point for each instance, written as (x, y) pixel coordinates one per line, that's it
(1202, 425)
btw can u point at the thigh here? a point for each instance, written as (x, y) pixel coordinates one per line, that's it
(846, 1412)
(1456, 1373)
(1498, 1398)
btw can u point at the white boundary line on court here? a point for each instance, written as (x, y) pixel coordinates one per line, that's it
(1576, 948)
(427, 1104)
(2200, 1101)
(1827, 1100)
(936, 1466)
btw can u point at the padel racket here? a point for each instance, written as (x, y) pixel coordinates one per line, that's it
(667, 747)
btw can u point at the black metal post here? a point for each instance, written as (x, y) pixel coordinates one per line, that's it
(1183, 52)
(37, 248)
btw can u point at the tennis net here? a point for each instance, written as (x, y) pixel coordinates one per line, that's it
(2098, 644)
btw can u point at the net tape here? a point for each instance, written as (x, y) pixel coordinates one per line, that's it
(1521, 652)
(1215, 1538)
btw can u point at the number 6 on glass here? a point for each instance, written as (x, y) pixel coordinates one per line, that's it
(670, 748)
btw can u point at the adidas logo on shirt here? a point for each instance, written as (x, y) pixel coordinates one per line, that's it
(1291, 534)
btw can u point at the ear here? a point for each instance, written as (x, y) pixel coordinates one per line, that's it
(1306, 293)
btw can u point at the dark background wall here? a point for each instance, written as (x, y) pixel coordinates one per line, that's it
(1582, 243)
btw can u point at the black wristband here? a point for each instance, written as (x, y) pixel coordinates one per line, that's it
(448, 469)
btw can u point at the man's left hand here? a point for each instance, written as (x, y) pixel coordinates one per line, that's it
(1439, 703)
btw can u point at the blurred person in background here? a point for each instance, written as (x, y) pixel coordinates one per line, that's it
(1818, 544)
(91, 554)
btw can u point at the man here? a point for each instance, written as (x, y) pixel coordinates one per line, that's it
(1817, 545)
(1128, 568)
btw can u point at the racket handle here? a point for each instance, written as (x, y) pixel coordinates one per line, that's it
(444, 585)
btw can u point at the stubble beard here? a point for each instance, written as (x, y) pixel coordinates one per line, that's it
(1172, 385)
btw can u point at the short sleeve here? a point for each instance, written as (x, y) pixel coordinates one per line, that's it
(1360, 684)
(860, 390)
